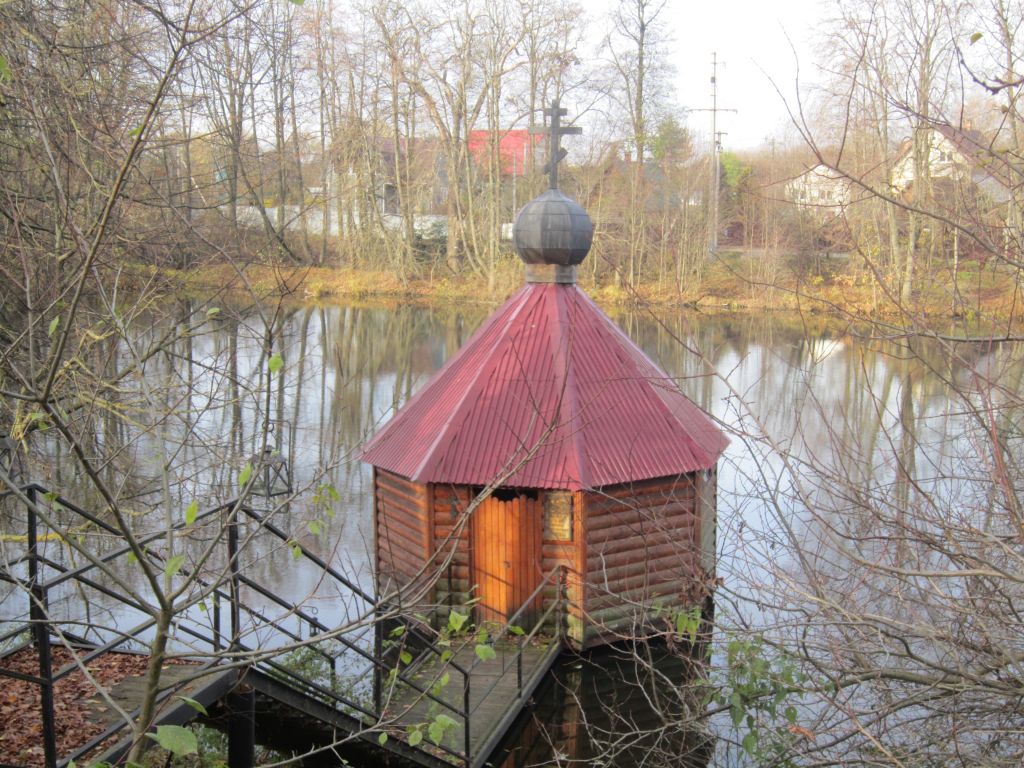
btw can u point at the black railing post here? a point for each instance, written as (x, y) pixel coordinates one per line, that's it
(451, 588)
(235, 586)
(216, 621)
(467, 743)
(519, 668)
(242, 726)
(37, 611)
(378, 655)
(563, 598)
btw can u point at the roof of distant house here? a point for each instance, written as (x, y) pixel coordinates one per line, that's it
(513, 148)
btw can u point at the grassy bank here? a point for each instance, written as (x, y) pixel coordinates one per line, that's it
(732, 282)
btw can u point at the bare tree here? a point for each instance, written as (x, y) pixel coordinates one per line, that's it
(638, 66)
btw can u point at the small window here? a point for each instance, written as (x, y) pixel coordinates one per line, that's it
(558, 516)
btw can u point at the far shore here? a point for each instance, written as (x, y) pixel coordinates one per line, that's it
(735, 283)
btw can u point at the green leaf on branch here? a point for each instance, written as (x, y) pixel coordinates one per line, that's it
(415, 736)
(5, 70)
(175, 739)
(136, 131)
(514, 630)
(736, 709)
(382, 739)
(441, 684)
(975, 37)
(456, 621)
(276, 362)
(485, 652)
(54, 325)
(174, 565)
(437, 729)
(191, 512)
(243, 478)
(750, 742)
(405, 657)
(213, 311)
(688, 623)
(297, 2)
(195, 705)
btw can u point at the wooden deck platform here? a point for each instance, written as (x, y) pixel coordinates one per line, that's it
(270, 702)
(498, 691)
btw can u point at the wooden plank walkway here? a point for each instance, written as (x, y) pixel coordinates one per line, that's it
(207, 687)
(495, 694)
(128, 692)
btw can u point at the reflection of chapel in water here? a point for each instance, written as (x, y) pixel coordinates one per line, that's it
(601, 463)
(614, 708)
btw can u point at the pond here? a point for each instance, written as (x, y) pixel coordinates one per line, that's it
(832, 433)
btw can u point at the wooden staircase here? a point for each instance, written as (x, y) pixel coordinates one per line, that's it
(255, 694)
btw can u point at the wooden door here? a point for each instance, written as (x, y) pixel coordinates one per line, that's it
(506, 542)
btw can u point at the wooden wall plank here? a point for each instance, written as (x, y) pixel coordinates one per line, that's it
(451, 544)
(640, 547)
(401, 522)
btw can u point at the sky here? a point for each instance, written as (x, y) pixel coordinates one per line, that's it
(750, 40)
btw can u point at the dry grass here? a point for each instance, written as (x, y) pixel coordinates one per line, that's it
(984, 292)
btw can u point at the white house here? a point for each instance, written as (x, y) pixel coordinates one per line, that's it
(820, 189)
(962, 156)
(974, 181)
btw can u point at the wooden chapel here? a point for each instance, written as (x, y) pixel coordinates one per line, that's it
(593, 458)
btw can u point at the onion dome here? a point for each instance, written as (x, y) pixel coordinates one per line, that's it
(553, 229)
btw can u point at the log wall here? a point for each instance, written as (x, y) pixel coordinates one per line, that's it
(643, 556)
(451, 544)
(403, 526)
(639, 554)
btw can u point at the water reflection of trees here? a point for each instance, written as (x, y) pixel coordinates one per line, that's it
(859, 470)
(870, 526)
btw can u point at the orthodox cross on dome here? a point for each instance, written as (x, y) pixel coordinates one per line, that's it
(555, 132)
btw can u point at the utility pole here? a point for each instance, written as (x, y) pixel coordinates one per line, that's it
(716, 148)
(716, 193)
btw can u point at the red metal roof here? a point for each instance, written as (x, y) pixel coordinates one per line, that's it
(512, 148)
(552, 393)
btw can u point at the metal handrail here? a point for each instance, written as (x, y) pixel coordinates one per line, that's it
(559, 603)
(40, 620)
(333, 573)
